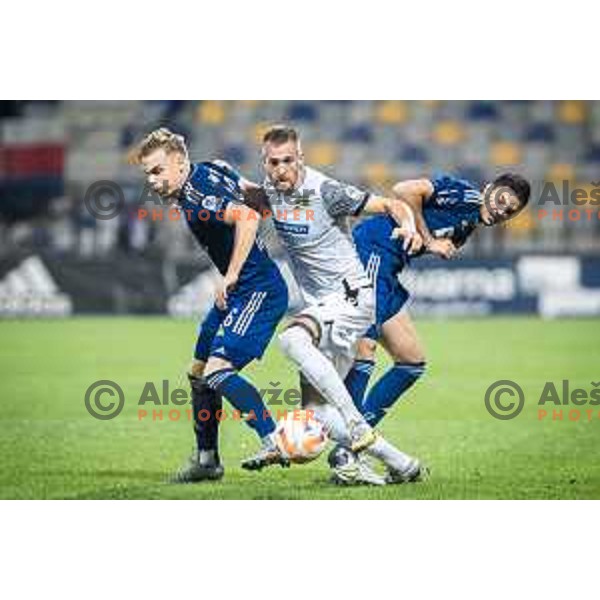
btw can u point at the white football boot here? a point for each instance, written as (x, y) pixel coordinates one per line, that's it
(352, 469)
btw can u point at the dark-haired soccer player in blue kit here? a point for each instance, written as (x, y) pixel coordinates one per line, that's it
(250, 303)
(447, 211)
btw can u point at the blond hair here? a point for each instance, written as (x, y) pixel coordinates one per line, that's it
(159, 138)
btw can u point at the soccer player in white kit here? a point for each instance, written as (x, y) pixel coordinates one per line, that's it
(310, 213)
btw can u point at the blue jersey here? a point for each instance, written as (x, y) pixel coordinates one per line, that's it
(453, 210)
(383, 258)
(242, 331)
(374, 234)
(210, 189)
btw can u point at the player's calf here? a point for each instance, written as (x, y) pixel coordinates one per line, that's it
(360, 373)
(204, 464)
(297, 343)
(206, 403)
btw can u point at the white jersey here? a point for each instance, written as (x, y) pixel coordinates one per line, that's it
(312, 222)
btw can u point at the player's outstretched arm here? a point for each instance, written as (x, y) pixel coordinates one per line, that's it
(415, 192)
(245, 220)
(403, 214)
(346, 200)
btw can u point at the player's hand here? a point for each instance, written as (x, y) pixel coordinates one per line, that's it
(412, 241)
(228, 283)
(443, 248)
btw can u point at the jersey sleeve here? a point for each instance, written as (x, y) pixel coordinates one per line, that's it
(228, 169)
(341, 199)
(225, 181)
(450, 191)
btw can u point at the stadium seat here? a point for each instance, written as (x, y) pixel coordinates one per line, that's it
(236, 155)
(572, 111)
(522, 225)
(321, 154)
(413, 153)
(540, 133)
(358, 134)
(128, 137)
(536, 158)
(257, 132)
(541, 111)
(448, 133)
(211, 112)
(431, 103)
(378, 175)
(471, 173)
(482, 110)
(505, 153)
(249, 103)
(593, 154)
(391, 112)
(561, 172)
(302, 111)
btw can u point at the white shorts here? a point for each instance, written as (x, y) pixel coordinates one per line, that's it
(342, 322)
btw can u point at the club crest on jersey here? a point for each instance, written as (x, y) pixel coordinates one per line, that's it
(211, 203)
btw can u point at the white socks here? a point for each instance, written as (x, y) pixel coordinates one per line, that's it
(297, 345)
(333, 422)
(390, 455)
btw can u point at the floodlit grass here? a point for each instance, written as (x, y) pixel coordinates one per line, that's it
(52, 448)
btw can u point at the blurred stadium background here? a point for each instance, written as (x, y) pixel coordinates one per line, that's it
(56, 259)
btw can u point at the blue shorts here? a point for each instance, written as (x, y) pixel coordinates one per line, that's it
(390, 294)
(242, 332)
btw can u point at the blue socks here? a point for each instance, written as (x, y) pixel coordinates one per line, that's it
(357, 380)
(392, 384)
(244, 397)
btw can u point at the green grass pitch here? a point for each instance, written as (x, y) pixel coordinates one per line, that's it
(50, 447)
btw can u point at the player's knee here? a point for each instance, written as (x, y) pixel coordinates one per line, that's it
(289, 338)
(297, 333)
(411, 358)
(216, 363)
(408, 351)
(196, 368)
(365, 349)
(419, 354)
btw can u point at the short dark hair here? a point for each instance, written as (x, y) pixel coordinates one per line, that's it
(518, 184)
(280, 134)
